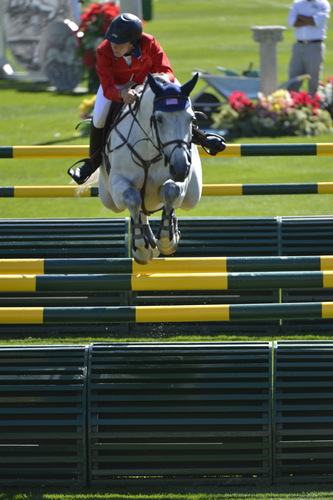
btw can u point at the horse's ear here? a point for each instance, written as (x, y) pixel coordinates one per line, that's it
(189, 86)
(154, 85)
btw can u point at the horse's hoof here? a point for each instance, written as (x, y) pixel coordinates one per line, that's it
(156, 252)
(166, 246)
(143, 256)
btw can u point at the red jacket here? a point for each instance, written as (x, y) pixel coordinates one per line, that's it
(148, 56)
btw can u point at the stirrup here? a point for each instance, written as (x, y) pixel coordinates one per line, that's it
(82, 173)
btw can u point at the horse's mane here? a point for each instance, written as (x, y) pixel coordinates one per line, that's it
(160, 77)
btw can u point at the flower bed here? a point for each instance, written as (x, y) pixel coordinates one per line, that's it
(279, 114)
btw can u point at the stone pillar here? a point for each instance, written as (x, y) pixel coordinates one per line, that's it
(3, 59)
(268, 36)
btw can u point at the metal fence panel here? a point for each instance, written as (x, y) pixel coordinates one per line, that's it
(303, 411)
(43, 415)
(180, 411)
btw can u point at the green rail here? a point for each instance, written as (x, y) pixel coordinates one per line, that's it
(167, 265)
(165, 282)
(297, 149)
(166, 314)
(207, 190)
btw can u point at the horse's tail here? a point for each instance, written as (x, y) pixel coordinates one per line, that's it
(82, 188)
(93, 179)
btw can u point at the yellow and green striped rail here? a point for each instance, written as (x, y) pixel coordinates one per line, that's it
(164, 282)
(207, 190)
(232, 150)
(167, 265)
(158, 314)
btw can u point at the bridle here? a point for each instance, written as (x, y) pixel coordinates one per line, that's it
(178, 143)
(160, 146)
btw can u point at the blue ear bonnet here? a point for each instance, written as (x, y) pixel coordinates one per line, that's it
(171, 98)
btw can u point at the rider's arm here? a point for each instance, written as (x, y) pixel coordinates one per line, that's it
(159, 60)
(106, 69)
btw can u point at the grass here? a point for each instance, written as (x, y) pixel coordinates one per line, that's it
(297, 492)
(194, 33)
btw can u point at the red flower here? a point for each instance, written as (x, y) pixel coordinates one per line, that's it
(95, 20)
(239, 100)
(301, 99)
(100, 13)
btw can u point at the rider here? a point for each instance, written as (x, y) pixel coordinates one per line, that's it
(124, 59)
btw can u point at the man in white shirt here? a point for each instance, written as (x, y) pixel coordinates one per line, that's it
(309, 18)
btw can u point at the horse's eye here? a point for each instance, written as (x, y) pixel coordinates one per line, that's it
(159, 119)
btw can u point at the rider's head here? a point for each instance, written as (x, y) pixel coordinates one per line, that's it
(125, 28)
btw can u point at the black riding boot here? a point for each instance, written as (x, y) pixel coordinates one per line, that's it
(211, 143)
(82, 173)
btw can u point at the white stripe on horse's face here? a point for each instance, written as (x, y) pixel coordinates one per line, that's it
(174, 134)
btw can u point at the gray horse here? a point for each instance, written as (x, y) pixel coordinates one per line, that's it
(154, 165)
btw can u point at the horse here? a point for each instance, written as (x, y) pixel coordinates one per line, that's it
(150, 164)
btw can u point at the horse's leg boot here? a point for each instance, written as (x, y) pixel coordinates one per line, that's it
(212, 143)
(82, 173)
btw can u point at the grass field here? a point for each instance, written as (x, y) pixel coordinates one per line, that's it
(194, 33)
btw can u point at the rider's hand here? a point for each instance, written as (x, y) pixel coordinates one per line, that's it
(128, 95)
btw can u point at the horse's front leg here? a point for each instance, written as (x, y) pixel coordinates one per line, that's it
(149, 234)
(168, 235)
(142, 242)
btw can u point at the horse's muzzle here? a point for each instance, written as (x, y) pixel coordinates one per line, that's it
(180, 166)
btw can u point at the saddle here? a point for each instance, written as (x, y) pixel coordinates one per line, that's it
(110, 123)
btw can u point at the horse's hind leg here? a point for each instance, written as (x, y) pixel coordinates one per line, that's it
(168, 234)
(141, 245)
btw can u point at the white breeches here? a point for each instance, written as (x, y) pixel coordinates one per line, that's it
(101, 109)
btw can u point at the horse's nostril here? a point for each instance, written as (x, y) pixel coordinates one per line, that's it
(179, 176)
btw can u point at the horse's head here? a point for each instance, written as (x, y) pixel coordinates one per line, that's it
(172, 119)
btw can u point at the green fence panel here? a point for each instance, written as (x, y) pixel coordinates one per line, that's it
(180, 412)
(43, 415)
(215, 237)
(303, 411)
(63, 238)
(228, 237)
(223, 236)
(42, 238)
(307, 235)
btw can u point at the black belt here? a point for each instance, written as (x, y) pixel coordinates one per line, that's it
(309, 41)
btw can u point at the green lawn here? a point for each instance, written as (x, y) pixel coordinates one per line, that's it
(194, 33)
(315, 492)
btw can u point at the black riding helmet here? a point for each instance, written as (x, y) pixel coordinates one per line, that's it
(124, 28)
